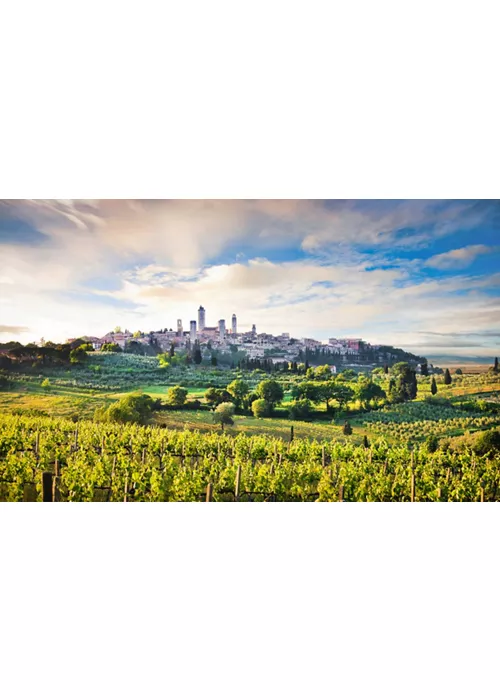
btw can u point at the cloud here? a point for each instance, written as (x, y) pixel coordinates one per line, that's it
(13, 330)
(458, 258)
(312, 267)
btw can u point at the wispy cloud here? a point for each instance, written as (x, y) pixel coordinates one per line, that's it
(458, 258)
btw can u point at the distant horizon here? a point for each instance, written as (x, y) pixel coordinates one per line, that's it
(422, 275)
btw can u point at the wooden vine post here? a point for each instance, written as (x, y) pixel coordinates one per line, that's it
(210, 492)
(291, 433)
(238, 483)
(47, 488)
(323, 457)
(57, 474)
(412, 490)
(341, 493)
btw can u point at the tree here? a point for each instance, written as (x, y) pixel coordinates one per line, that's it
(197, 357)
(77, 356)
(110, 347)
(260, 408)
(213, 361)
(134, 408)
(328, 391)
(300, 409)
(347, 375)
(367, 391)
(432, 443)
(214, 397)
(46, 383)
(176, 396)
(133, 347)
(434, 388)
(171, 352)
(347, 429)
(458, 371)
(223, 414)
(343, 394)
(447, 376)
(239, 391)
(323, 373)
(271, 391)
(495, 366)
(307, 390)
(211, 396)
(366, 444)
(487, 441)
(164, 360)
(404, 387)
(424, 369)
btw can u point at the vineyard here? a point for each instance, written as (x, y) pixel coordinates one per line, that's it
(417, 420)
(57, 460)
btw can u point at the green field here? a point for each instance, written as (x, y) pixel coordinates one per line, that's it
(76, 392)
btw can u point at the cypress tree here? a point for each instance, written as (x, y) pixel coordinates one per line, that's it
(413, 386)
(347, 429)
(447, 376)
(197, 354)
(433, 386)
(495, 366)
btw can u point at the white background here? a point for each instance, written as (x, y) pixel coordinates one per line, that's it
(261, 99)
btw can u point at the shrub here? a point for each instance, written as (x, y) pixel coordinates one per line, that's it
(300, 409)
(176, 396)
(260, 408)
(488, 441)
(135, 408)
(432, 443)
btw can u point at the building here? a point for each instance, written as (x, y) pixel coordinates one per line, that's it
(222, 330)
(179, 327)
(254, 329)
(192, 331)
(234, 325)
(201, 318)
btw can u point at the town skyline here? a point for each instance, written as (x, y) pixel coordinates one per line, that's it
(417, 274)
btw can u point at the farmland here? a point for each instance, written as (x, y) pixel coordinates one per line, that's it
(55, 460)
(54, 402)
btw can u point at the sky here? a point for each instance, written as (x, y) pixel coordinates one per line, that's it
(423, 275)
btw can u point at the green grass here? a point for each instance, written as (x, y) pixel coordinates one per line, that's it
(275, 427)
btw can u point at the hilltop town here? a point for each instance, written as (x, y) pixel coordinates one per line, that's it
(254, 345)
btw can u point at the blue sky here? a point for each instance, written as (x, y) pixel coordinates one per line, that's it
(418, 274)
